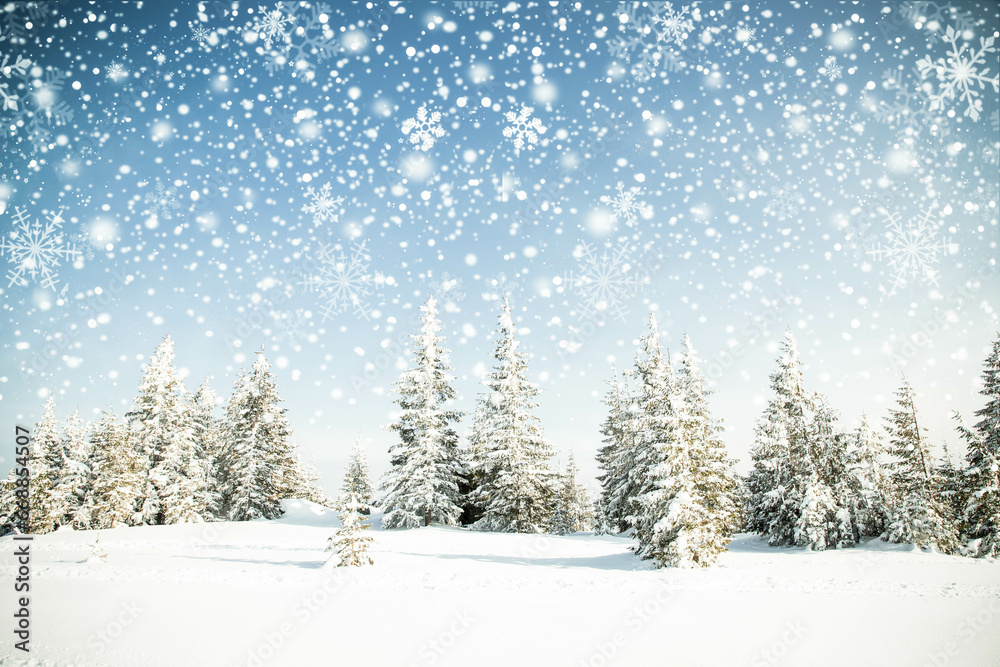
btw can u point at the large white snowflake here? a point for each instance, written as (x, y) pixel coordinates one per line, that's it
(342, 280)
(272, 25)
(626, 204)
(322, 206)
(784, 202)
(522, 129)
(162, 201)
(674, 26)
(36, 250)
(424, 129)
(957, 74)
(911, 249)
(606, 279)
(8, 69)
(116, 71)
(831, 69)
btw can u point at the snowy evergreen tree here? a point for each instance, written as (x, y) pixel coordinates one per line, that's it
(616, 458)
(423, 485)
(257, 459)
(572, 510)
(783, 458)
(823, 521)
(350, 544)
(75, 478)
(311, 488)
(512, 479)
(357, 489)
(918, 514)
(207, 431)
(715, 484)
(981, 476)
(118, 474)
(163, 423)
(46, 459)
(866, 483)
(951, 489)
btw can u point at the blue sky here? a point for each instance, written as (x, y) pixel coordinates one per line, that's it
(734, 169)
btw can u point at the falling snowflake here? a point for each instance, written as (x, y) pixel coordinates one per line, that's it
(674, 26)
(606, 280)
(745, 35)
(116, 72)
(8, 70)
(932, 17)
(162, 201)
(912, 249)
(831, 69)
(200, 33)
(500, 286)
(35, 250)
(272, 26)
(784, 202)
(289, 325)
(322, 206)
(312, 41)
(343, 280)
(522, 128)
(32, 118)
(447, 290)
(987, 201)
(626, 204)
(423, 129)
(957, 74)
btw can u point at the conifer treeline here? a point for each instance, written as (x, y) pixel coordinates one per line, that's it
(169, 460)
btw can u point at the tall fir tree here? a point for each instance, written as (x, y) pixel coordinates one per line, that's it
(46, 460)
(207, 431)
(981, 476)
(258, 460)
(572, 510)
(118, 474)
(350, 543)
(162, 421)
(357, 488)
(616, 458)
(715, 484)
(512, 478)
(75, 479)
(427, 470)
(867, 486)
(782, 458)
(919, 515)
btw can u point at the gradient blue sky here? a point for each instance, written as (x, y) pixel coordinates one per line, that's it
(767, 180)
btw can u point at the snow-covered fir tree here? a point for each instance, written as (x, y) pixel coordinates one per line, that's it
(918, 514)
(715, 484)
(616, 458)
(257, 460)
(75, 478)
(511, 474)
(422, 487)
(667, 515)
(350, 543)
(357, 489)
(782, 465)
(866, 484)
(572, 510)
(981, 476)
(207, 431)
(118, 474)
(823, 521)
(162, 421)
(310, 488)
(46, 459)
(951, 489)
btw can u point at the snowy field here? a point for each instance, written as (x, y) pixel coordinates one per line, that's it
(257, 593)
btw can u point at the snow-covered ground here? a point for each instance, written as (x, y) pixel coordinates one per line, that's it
(257, 593)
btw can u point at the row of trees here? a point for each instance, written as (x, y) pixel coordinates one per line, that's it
(817, 486)
(504, 482)
(170, 459)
